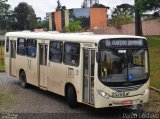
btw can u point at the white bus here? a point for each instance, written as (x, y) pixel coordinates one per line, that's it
(97, 70)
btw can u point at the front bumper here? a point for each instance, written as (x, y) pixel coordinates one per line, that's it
(102, 102)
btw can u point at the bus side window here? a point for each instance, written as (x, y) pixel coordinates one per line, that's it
(56, 51)
(7, 44)
(72, 54)
(21, 46)
(31, 48)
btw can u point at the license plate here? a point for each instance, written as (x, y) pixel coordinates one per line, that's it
(127, 102)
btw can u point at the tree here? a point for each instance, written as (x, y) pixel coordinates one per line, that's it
(142, 6)
(122, 14)
(121, 20)
(42, 24)
(124, 9)
(25, 16)
(96, 5)
(138, 24)
(5, 13)
(59, 7)
(73, 27)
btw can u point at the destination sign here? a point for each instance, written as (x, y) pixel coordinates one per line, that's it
(124, 42)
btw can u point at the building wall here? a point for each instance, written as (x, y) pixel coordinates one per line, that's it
(66, 17)
(58, 21)
(87, 16)
(98, 18)
(150, 27)
(50, 21)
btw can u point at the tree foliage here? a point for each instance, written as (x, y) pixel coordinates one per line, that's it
(142, 6)
(147, 5)
(73, 27)
(122, 14)
(96, 5)
(5, 14)
(25, 16)
(123, 9)
(42, 24)
(121, 20)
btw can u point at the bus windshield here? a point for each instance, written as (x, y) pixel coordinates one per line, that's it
(123, 65)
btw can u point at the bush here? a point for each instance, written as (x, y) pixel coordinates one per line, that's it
(73, 27)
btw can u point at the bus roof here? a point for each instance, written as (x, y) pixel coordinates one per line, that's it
(75, 37)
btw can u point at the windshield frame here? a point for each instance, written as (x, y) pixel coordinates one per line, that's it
(127, 83)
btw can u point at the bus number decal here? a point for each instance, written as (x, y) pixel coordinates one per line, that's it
(120, 94)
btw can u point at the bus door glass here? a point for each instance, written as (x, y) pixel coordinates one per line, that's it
(88, 75)
(43, 48)
(13, 57)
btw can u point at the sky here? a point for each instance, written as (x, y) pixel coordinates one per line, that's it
(42, 7)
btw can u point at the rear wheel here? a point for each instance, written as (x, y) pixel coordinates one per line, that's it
(72, 97)
(23, 79)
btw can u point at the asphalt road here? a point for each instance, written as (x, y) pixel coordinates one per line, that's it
(33, 103)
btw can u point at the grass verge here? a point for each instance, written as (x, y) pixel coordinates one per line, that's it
(154, 52)
(2, 68)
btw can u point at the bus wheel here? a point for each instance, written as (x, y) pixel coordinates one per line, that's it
(23, 80)
(71, 97)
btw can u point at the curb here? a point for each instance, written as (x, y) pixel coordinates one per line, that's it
(155, 89)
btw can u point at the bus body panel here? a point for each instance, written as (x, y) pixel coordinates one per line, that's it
(7, 56)
(31, 70)
(138, 96)
(54, 76)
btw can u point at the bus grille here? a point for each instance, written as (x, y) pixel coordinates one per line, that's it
(126, 89)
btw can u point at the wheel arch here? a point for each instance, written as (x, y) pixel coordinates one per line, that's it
(66, 87)
(21, 70)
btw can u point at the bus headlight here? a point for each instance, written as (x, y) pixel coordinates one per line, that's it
(103, 94)
(145, 92)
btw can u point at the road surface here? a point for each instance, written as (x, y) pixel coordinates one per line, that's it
(34, 103)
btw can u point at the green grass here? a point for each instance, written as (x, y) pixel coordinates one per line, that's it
(154, 52)
(2, 68)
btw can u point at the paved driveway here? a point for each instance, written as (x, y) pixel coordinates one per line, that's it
(35, 103)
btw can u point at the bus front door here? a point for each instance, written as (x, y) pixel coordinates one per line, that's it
(88, 75)
(13, 57)
(43, 65)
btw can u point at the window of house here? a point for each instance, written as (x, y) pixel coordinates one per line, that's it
(31, 48)
(21, 46)
(56, 51)
(72, 54)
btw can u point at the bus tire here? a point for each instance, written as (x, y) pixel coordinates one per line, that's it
(23, 79)
(72, 97)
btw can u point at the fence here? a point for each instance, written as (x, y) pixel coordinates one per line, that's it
(151, 27)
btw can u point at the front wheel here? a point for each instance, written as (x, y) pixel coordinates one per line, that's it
(23, 79)
(72, 97)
